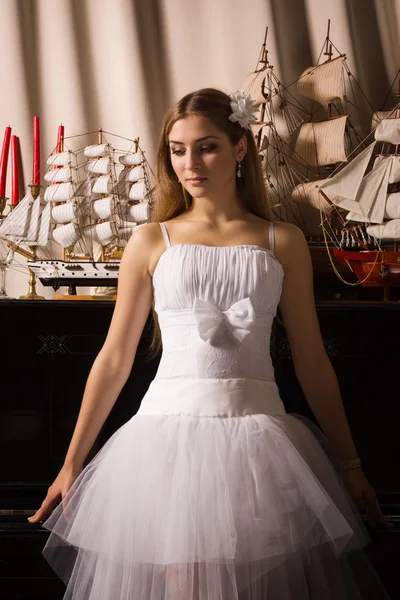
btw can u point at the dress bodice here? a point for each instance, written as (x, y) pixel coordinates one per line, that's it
(215, 306)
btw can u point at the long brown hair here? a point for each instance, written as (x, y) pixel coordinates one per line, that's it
(171, 199)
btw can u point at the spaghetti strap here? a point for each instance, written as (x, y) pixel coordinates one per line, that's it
(165, 235)
(271, 237)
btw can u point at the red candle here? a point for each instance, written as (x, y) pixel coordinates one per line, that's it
(15, 169)
(36, 151)
(60, 138)
(4, 161)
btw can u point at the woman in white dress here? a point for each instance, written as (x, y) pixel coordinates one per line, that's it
(212, 490)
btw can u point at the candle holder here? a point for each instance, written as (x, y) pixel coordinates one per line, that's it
(35, 189)
(32, 295)
(3, 202)
(6, 258)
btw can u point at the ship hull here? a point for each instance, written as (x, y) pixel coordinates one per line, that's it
(382, 268)
(56, 273)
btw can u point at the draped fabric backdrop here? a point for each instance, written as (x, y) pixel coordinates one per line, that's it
(119, 64)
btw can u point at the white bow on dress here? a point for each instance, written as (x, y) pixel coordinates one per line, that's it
(239, 318)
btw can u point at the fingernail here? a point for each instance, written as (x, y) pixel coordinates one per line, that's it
(29, 518)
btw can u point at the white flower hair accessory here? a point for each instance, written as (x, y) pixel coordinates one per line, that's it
(242, 109)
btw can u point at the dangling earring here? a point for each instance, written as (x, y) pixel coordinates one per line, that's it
(239, 171)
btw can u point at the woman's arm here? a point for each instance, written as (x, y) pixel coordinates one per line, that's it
(312, 365)
(313, 368)
(113, 364)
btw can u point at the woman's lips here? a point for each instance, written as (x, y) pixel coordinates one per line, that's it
(199, 180)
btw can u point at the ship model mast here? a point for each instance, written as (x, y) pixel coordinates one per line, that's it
(280, 117)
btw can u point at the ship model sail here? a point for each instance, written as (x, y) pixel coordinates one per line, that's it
(93, 200)
(28, 223)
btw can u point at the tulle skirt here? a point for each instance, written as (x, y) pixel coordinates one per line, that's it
(211, 491)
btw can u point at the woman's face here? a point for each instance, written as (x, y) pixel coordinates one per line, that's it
(202, 156)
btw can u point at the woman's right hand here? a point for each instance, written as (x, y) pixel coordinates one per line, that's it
(56, 493)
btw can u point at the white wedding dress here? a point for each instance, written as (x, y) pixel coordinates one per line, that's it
(212, 490)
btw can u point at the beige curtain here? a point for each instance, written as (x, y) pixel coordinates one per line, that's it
(119, 64)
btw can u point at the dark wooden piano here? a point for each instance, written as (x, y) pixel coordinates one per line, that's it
(47, 349)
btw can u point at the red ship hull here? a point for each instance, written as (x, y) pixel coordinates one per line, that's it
(382, 268)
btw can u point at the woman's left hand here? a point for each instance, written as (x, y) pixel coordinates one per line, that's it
(364, 496)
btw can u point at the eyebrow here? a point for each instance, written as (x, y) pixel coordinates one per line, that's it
(199, 140)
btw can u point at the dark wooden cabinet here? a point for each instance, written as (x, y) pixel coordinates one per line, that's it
(47, 349)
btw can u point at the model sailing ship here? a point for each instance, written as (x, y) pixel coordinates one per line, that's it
(302, 147)
(93, 200)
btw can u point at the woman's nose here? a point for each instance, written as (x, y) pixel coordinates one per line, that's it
(192, 160)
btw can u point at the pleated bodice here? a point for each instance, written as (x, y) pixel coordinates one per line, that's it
(215, 306)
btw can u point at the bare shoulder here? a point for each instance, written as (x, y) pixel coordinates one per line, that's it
(287, 234)
(145, 235)
(290, 245)
(144, 247)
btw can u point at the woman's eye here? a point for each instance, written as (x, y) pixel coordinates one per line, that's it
(202, 149)
(208, 148)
